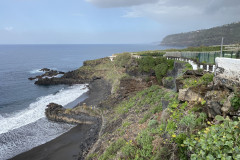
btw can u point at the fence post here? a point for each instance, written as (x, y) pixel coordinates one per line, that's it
(208, 57)
(231, 54)
(238, 54)
(214, 57)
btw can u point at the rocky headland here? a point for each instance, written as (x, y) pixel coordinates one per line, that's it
(146, 108)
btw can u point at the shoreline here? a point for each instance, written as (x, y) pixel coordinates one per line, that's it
(75, 143)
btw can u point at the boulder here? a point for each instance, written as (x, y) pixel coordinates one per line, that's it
(164, 103)
(54, 111)
(168, 82)
(165, 115)
(227, 105)
(58, 113)
(213, 109)
(188, 95)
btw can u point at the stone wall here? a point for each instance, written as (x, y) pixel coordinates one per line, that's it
(227, 72)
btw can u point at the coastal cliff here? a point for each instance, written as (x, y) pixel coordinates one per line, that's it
(151, 108)
(206, 37)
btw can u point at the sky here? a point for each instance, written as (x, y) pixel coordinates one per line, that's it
(108, 21)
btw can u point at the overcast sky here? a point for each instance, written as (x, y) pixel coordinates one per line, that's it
(108, 21)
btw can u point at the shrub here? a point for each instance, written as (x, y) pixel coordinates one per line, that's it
(152, 123)
(170, 63)
(235, 101)
(207, 78)
(113, 149)
(220, 141)
(122, 59)
(147, 64)
(145, 141)
(161, 70)
(189, 121)
(129, 150)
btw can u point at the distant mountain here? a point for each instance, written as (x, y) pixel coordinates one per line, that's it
(206, 37)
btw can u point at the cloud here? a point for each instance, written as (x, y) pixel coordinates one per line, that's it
(186, 15)
(10, 28)
(119, 3)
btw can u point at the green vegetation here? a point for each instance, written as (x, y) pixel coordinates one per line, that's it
(122, 60)
(193, 82)
(180, 124)
(138, 128)
(219, 141)
(156, 53)
(161, 71)
(149, 97)
(159, 66)
(235, 101)
(205, 37)
(112, 149)
(187, 67)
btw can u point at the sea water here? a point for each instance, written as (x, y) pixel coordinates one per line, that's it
(23, 124)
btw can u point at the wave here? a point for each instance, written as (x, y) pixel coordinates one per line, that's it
(36, 71)
(36, 110)
(29, 136)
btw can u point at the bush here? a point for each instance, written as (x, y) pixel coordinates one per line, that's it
(123, 59)
(147, 64)
(235, 101)
(152, 123)
(220, 141)
(161, 71)
(207, 78)
(145, 141)
(189, 121)
(113, 149)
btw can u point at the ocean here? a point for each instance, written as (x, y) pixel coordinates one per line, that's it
(23, 124)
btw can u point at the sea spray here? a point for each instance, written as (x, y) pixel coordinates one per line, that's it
(36, 109)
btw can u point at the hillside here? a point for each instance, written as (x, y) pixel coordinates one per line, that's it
(206, 37)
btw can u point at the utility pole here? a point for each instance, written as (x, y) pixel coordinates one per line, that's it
(222, 47)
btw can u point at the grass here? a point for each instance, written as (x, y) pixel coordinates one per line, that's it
(193, 82)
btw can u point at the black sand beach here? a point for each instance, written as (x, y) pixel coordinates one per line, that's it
(75, 143)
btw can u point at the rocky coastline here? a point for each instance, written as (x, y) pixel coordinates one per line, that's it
(126, 101)
(48, 73)
(86, 116)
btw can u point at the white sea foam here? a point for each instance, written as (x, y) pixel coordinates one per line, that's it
(29, 136)
(36, 71)
(36, 110)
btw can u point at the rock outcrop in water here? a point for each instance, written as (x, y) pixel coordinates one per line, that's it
(85, 74)
(80, 115)
(48, 73)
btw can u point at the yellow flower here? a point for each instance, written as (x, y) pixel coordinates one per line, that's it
(206, 131)
(174, 135)
(208, 122)
(182, 145)
(196, 139)
(224, 136)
